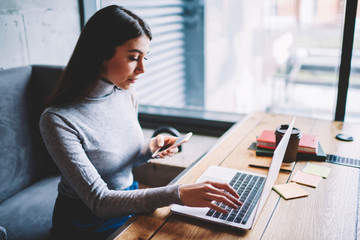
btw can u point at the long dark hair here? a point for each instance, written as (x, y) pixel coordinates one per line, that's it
(108, 28)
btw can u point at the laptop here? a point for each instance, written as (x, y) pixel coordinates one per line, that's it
(253, 189)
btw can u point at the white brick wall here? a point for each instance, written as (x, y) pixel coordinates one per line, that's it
(37, 32)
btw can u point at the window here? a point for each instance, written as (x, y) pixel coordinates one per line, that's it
(278, 56)
(238, 56)
(175, 50)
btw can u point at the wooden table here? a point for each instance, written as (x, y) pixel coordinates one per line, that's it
(329, 212)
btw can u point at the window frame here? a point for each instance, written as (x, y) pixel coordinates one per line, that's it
(346, 56)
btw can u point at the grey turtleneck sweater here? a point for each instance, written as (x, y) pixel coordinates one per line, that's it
(95, 143)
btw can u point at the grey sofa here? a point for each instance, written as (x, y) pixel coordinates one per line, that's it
(28, 177)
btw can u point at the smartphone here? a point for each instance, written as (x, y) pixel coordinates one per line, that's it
(179, 141)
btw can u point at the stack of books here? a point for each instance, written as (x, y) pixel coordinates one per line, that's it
(309, 146)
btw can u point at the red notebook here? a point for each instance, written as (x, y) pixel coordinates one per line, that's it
(308, 143)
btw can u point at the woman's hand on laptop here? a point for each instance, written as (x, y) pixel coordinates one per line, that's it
(203, 194)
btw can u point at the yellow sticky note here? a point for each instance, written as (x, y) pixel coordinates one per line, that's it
(290, 190)
(317, 170)
(306, 179)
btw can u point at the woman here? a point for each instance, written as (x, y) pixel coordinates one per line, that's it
(91, 130)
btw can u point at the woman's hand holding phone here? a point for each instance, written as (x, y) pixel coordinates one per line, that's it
(162, 146)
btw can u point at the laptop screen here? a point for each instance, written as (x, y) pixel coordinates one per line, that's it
(274, 169)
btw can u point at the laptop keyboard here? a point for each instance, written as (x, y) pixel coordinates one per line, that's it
(249, 189)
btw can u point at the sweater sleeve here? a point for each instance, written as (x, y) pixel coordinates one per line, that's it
(65, 147)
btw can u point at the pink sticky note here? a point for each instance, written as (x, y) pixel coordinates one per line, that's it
(290, 190)
(306, 179)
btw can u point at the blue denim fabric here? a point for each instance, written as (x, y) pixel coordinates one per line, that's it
(72, 219)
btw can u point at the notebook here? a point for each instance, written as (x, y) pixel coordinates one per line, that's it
(253, 189)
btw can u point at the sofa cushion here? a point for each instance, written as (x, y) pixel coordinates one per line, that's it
(17, 168)
(28, 214)
(23, 157)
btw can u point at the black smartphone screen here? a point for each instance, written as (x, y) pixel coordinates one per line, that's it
(165, 147)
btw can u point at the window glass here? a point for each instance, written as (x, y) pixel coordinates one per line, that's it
(239, 56)
(273, 55)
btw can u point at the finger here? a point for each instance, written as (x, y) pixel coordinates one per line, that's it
(163, 154)
(213, 190)
(166, 153)
(160, 140)
(170, 139)
(233, 199)
(226, 187)
(225, 200)
(171, 151)
(217, 208)
(220, 188)
(175, 150)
